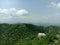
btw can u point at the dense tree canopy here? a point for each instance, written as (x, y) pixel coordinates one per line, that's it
(26, 34)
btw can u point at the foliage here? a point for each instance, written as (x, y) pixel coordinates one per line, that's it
(26, 34)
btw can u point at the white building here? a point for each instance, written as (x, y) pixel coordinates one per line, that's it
(58, 35)
(41, 34)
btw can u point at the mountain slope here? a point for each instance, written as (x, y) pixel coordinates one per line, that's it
(16, 34)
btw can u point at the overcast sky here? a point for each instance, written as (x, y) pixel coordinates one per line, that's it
(30, 11)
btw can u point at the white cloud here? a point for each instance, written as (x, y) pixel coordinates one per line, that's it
(56, 5)
(22, 12)
(57, 14)
(12, 15)
(13, 11)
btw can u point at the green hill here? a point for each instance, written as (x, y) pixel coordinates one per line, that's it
(25, 34)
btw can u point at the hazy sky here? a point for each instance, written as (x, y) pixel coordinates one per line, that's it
(30, 11)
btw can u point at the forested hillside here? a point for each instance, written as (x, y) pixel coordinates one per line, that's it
(27, 34)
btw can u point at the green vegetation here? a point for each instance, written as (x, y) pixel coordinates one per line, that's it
(27, 34)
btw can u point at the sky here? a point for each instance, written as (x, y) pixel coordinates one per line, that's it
(29, 11)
